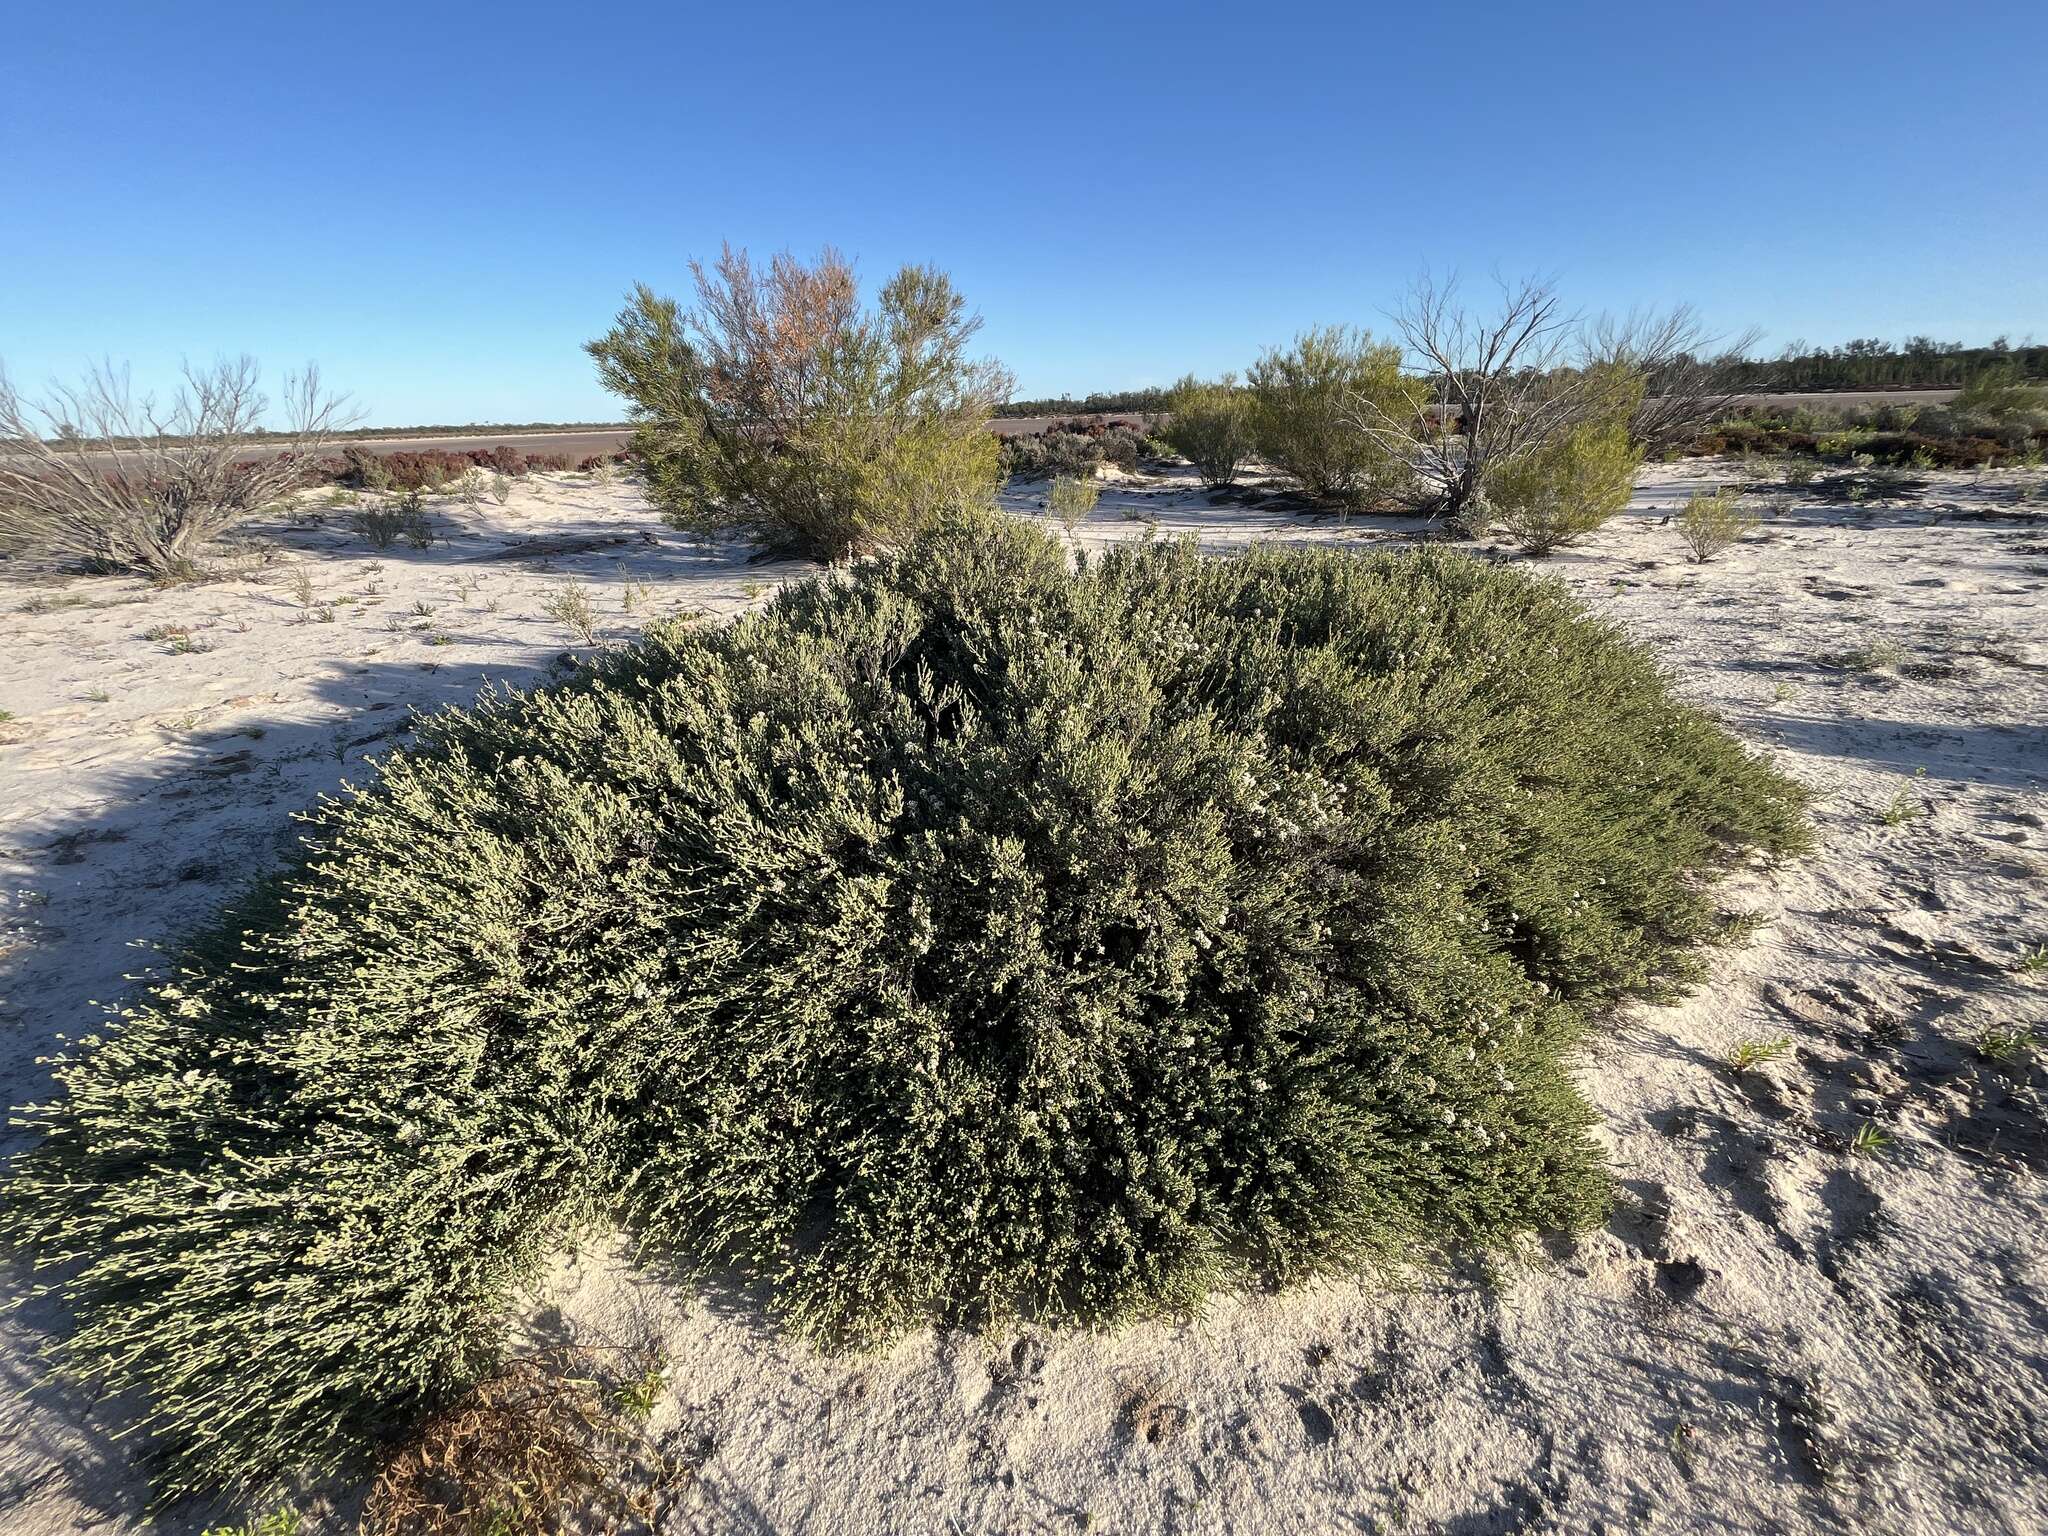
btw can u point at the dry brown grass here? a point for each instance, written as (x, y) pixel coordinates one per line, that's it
(549, 1442)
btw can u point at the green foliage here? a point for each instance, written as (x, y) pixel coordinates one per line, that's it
(1903, 807)
(2006, 1043)
(1712, 522)
(282, 1521)
(383, 523)
(782, 411)
(1070, 500)
(1306, 403)
(569, 605)
(1560, 491)
(2002, 394)
(1210, 426)
(1746, 1055)
(966, 936)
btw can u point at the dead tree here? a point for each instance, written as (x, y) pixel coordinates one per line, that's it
(1499, 387)
(1691, 377)
(92, 475)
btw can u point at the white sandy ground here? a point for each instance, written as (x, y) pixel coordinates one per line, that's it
(1772, 1333)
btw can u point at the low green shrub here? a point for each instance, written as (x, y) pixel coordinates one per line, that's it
(964, 937)
(1560, 491)
(1712, 522)
(1210, 425)
(1070, 499)
(1306, 405)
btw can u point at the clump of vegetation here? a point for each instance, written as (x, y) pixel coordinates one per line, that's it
(1879, 655)
(94, 476)
(1748, 1055)
(1073, 448)
(1712, 522)
(1305, 405)
(1210, 425)
(543, 1440)
(1560, 491)
(1070, 500)
(1522, 406)
(977, 933)
(1904, 806)
(383, 523)
(2006, 1043)
(281, 1521)
(569, 605)
(781, 410)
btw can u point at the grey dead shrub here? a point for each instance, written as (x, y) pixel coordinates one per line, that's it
(97, 476)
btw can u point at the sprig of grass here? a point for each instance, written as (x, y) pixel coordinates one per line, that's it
(2006, 1043)
(1746, 1055)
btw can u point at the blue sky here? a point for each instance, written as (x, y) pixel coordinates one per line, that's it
(440, 203)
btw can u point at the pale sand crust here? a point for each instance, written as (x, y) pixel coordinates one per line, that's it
(1772, 1333)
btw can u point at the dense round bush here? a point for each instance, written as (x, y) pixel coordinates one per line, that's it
(961, 937)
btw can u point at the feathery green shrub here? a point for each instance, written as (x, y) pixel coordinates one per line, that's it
(1307, 405)
(971, 936)
(1210, 425)
(781, 409)
(1560, 491)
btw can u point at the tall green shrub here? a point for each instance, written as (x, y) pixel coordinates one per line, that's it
(968, 936)
(1210, 425)
(1308, 401)
(780, 410)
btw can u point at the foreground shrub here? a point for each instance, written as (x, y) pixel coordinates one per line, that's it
(1210, 425)
(1306, 404)
(780, 410)
(966, 937)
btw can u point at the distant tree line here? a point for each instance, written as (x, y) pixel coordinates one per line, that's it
(1123, 400)
(1920, 362)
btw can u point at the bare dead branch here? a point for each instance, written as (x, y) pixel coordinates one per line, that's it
(1691, 376)
(93, 474)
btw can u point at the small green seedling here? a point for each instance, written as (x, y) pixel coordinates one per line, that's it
(636, 1399)
(1748, 1054)
(1868, 1141)
(2032, 961)
(2006, 1043)
(282, 1521)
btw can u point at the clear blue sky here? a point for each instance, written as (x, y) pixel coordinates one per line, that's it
(440, 203)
